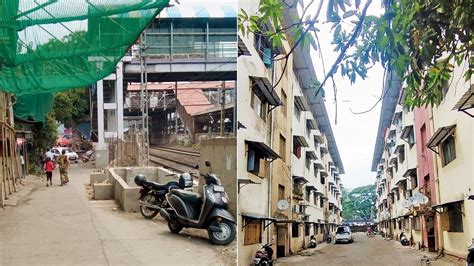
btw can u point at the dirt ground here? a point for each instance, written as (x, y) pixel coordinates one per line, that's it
(365, 251)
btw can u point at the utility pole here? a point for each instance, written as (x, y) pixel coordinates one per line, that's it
(145, 152)
(222, 107)
(176, 110)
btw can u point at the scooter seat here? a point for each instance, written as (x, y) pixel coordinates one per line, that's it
(158, 186)
(187, 195)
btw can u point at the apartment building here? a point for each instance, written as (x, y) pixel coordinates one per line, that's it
(256, 102)
(423, 160)
(291, 187)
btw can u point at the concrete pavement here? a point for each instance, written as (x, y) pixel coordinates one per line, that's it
(59, 225)
(364, 251)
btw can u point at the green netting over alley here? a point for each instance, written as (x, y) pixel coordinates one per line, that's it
(52, 45)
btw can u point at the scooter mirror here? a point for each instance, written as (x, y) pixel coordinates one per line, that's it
(208, 163)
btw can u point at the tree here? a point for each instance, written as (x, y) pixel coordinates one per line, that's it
(358, 204)
(71, 106)
(418, 40)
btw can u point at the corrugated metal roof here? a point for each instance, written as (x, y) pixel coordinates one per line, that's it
(199, 11)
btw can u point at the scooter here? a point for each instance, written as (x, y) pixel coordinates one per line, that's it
(264, 256)
(312, 242)
(470, 255)
(209, 211)
(404, 240)
(152, 194)
(328, 238)
(88, 156)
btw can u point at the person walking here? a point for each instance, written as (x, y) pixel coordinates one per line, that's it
(49, 168)
(23, 166)
(63, 167)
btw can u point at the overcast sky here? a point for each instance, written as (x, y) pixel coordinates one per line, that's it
(355, 134)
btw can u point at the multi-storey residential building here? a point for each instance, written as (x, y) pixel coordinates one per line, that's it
(424, 173)
(452, 148)
(291, 187)
(256, 101)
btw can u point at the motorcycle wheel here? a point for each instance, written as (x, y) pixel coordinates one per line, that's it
(226, 236)
(147, 212)
(174, 226)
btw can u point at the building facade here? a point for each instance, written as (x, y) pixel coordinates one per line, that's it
(288, 163)
(423, 160)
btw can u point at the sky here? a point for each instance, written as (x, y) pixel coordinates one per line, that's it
(355, 134)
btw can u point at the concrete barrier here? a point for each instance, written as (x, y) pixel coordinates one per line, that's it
(125, 192)
(98, 177)
(103, 191)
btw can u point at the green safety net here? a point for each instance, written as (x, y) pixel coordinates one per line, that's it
(33, 107)
(52, 45)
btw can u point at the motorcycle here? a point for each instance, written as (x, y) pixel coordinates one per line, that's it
(264, 256)
(404, 240)
(209, 211)
(470, 255)
(312, 242)
(88, 156)
(152, 194)
(328, 238)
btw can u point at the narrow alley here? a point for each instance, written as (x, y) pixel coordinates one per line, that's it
(59, 225)
(364, 251)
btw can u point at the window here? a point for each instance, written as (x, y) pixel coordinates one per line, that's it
(411, 138)
(283, 100)
(307, 162)
(315, 228)
(399, 224)
(264, 48)
(297, 111)
(315, 198)
(253, 161)
(448, 150)
(281, 192)
(321, 202)
(253, 232)
(455, 217)
(296, 149)
(414, 180)
(282, 148)
(307, 194)
(323, 181)
(257, 104)
(306, 229)
(295, 229)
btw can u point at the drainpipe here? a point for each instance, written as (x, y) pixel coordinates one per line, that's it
(270, 178)
(438, 191)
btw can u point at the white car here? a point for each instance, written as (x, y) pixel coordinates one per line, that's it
(71, 155)
(344, 234)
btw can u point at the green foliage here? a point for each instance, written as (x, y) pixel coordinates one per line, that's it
(358, 204)
(420, 41)
(71, 106)
(44, 135)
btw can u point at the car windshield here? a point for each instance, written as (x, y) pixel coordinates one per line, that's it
(341, 230)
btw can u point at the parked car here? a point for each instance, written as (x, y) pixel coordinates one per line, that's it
(71, 155)
(344, 234)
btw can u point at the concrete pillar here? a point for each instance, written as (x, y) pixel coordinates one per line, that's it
(119, 99)
(100, 115)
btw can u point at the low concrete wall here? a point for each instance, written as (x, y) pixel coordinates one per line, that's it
(126, 193)
(222, 154)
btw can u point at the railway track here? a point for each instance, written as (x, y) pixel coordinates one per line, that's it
(179, 161)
